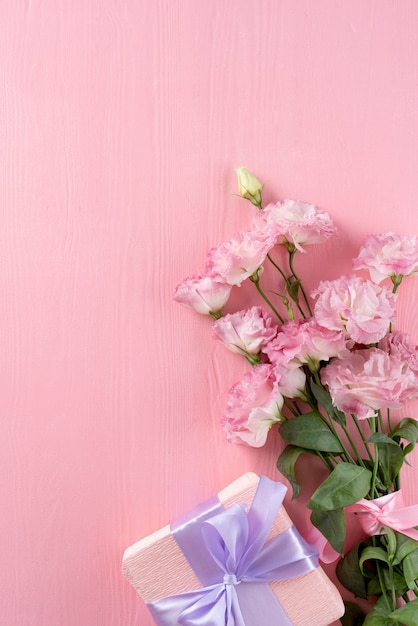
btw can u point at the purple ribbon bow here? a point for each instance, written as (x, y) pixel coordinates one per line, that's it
(228, 552)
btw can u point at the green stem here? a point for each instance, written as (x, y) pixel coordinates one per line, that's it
(265, 298)
(381, 424)
(278, 268)
(291, 256)
(296, 407)
(301, 311)
(380, 577)
(396, 280)
(353, 446)
(331, 426)
(286, 280)
(392, 586)
(374, 429)
(389, 423)
(345, 454)
(331, 457)
(325, 460)
(291, 408)
(363, 438)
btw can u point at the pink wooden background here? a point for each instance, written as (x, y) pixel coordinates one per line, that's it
(121, 123)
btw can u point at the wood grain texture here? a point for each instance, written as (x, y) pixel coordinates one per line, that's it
(121, 123)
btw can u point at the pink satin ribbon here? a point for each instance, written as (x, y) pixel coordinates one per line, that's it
(387, 511)
(327, 554)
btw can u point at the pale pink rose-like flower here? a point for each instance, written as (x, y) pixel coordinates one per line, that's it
(369, 380)
(388, 255)
(245, 332)
(359, 306)
(294, 224)
(253, 406)
(239, 258)
(202, 293)
(291, 382)
(300, 342)
(398, 344)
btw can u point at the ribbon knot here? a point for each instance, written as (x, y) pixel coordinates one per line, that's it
(231, 579)
(388, 510)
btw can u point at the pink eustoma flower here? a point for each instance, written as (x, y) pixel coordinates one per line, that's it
(202, 293)
(239, 258)
(398, 344)
(369, 380)
(388, 255)
(254, 405)
(291, 382)
(359, 306)
(245, 332)
(300, 342)
(294, 224)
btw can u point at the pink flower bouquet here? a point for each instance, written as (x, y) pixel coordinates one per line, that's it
(326, 369)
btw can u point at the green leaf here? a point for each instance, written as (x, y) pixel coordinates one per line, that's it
(406, 614)
(349, 573)
(310, 431)
(332, 526)
(391, 460)
(410, 569)
(405, 545)
(372, 553)
(378, 616)
(353, 615)
(407, 450)
(339, 417)
(407, 429)
(286, 466)
(374, 588)
(293, 289)
(382, 438)
(391, 543)
(345, 485)
(323, 398)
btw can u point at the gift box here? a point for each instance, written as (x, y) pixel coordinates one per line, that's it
(236, 559)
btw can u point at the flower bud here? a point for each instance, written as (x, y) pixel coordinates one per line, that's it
(249, 186)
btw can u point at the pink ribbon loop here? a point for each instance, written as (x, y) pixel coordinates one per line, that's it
(388, 510)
